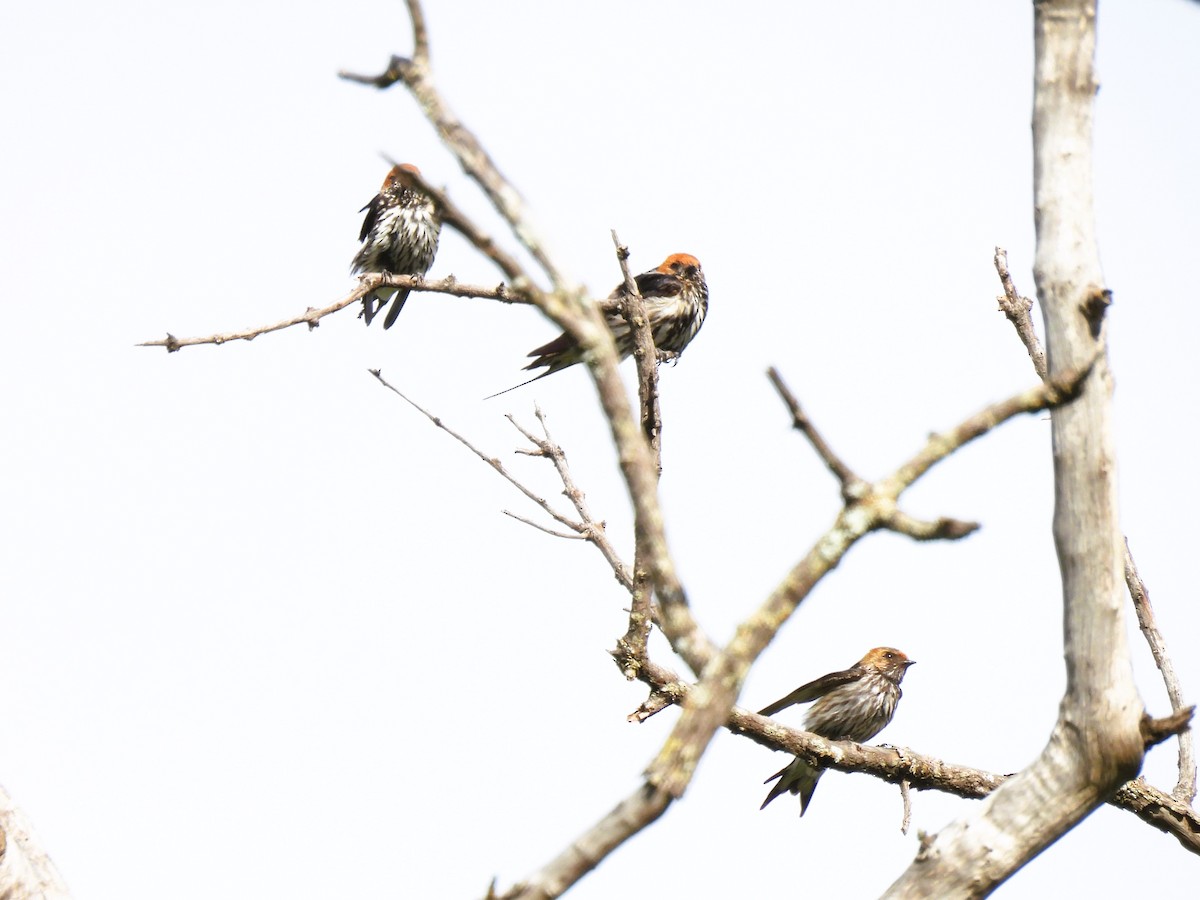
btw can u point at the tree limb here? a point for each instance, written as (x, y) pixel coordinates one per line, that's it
(26, 870)
(644, 354)
(1016, 308)
(366, 285)
(1096, 744)
(630, 816)
(1185, 788)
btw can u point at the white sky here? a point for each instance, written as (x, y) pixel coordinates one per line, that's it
(267, 632)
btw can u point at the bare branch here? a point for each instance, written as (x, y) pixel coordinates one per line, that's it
(26, 870)
(366, 285)
(1016, 308)
(540, 527)
(641, 479)
(1185, 788)
(906, 799)
(490, 460)
(942, 529)
(1052, 394)
(1155, 731)
(1168, 814)
(630, 816)
(645, 354)
(1096, 744)
(592, 529)
(802, 423)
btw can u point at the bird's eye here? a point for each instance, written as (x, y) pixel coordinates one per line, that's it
(889, 655)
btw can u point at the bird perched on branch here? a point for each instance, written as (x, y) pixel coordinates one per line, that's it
(676, 300)
(853, 705)
(399, 236)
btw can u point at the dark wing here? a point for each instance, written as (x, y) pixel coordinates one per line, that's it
(813, 690)
(560, 344)
(372, 216)
(657, 284)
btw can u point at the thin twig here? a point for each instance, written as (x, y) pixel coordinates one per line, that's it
(1016, 308)
(593, 529)
(1185, 788)
(367, 284)
(645, 354)
(906, 798)
(583, 854)
(490, 460)
(802, 423)
(588, 528)
(1048, 395)
(540, 527)
(942, 529)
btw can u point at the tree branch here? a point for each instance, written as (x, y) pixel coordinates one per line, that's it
(591, 528)
(630, 816)
(366, 284)
(645, 354)
(1096, 744)
(1185, 788)
(802, 423)
(1016, 308)
(587, 528)
(26, 870)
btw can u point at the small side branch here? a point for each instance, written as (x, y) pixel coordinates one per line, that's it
(590, 528)
(367, 283)
(644, 353)
(490, 460)
(1050, 394)
(1185, 788)
(630, 816)
(802, 423)
(1155, 731)
(26, 870)
(1168, 814)
(1016, 309)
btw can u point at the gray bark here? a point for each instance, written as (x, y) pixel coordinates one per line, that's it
(1096, 743)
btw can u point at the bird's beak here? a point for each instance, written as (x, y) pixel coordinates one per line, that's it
(909, 662)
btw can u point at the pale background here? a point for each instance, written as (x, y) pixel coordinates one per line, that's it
(266, 631)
